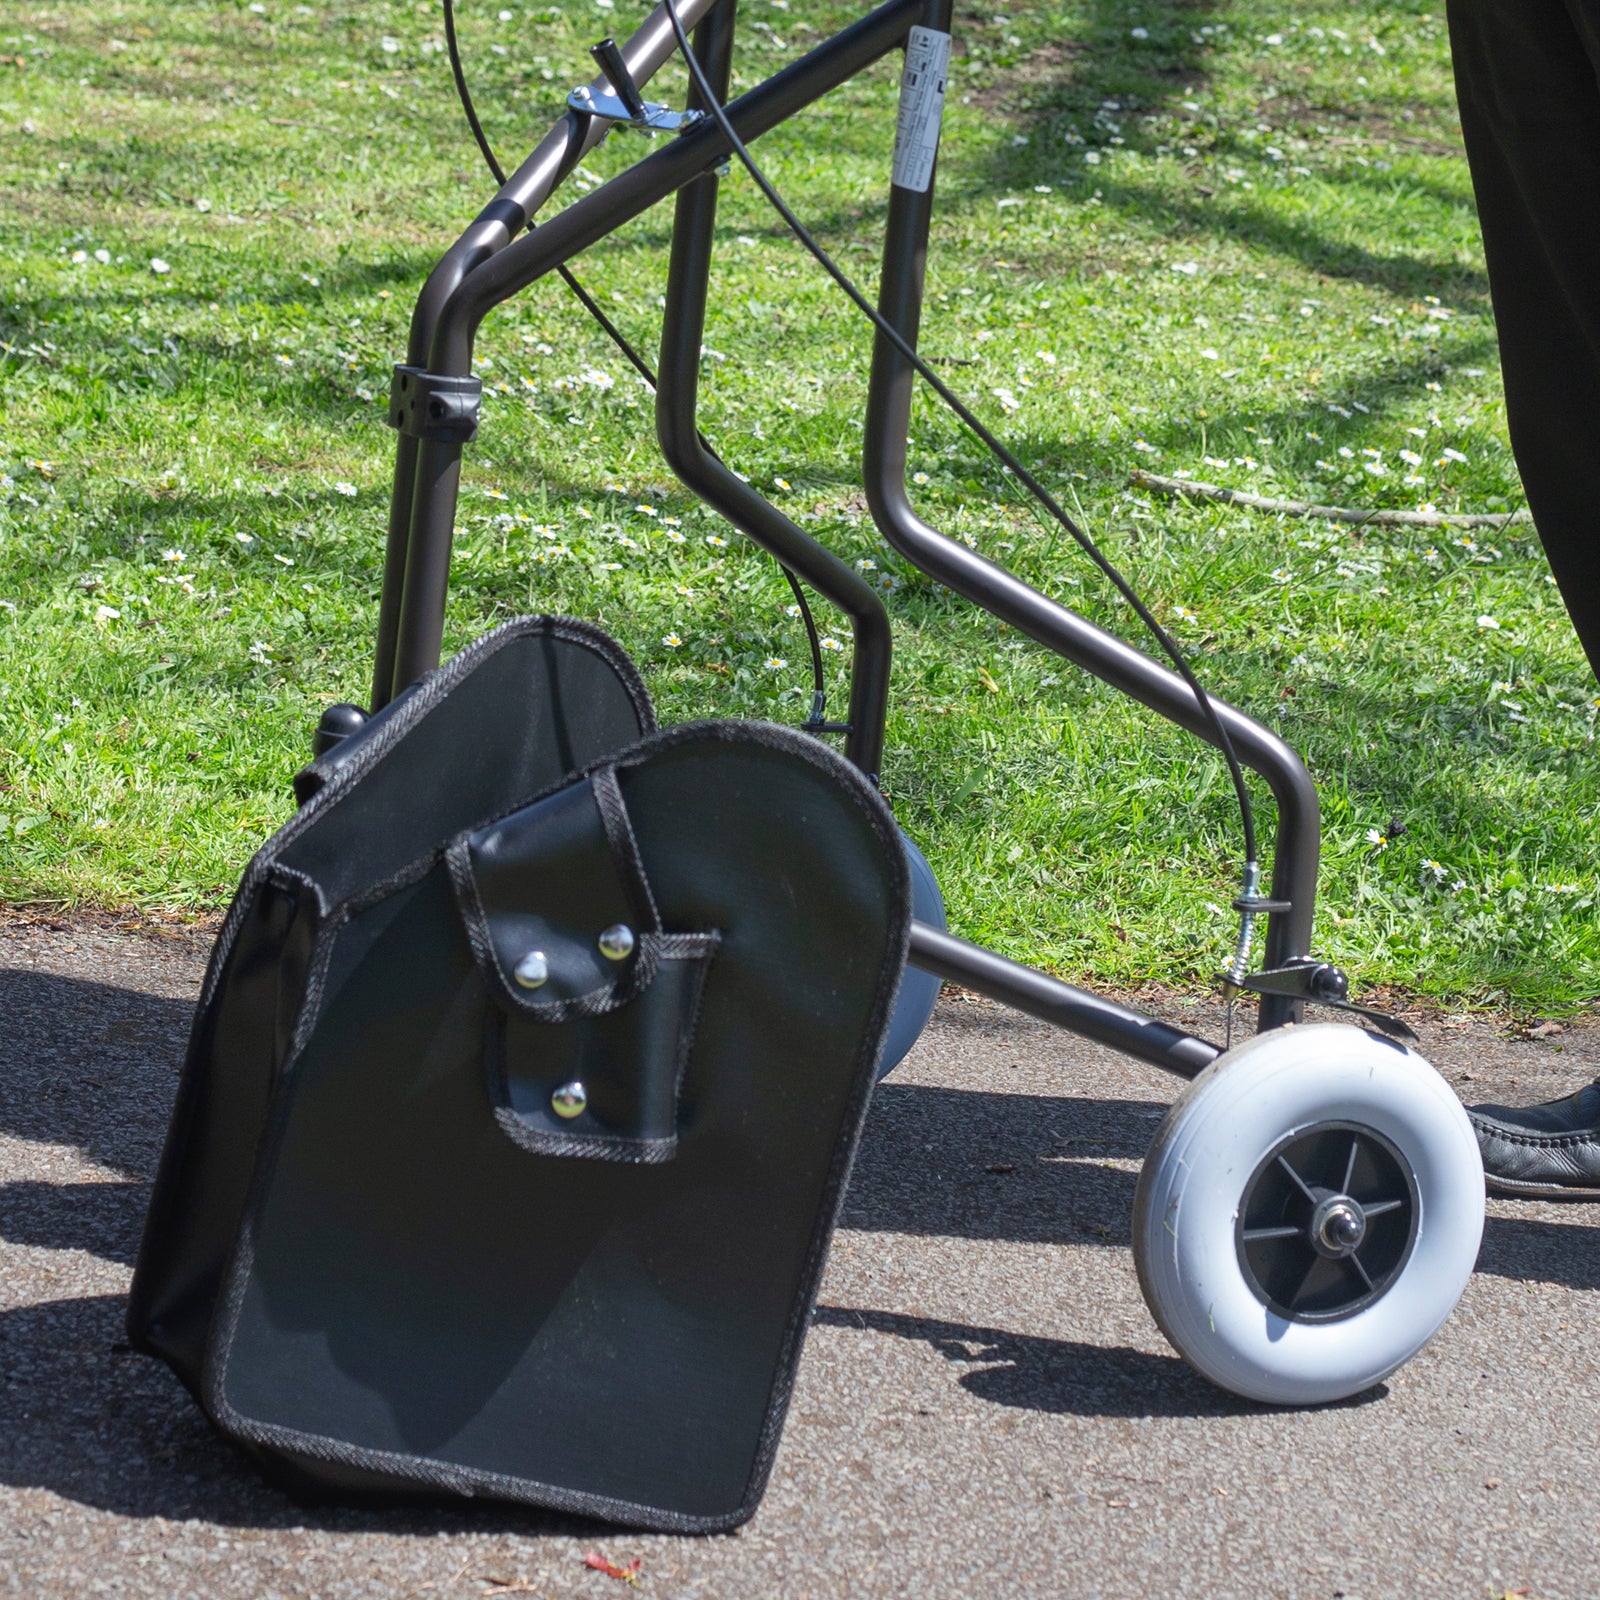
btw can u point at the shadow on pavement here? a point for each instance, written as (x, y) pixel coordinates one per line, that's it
(105, 1219)
(1530, 1250)
(84, 1417)
(1063, 1375)
(968, 1164)
(1054, 1184)
(90, 1064)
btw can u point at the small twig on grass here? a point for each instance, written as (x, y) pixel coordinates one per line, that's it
(1193, 488)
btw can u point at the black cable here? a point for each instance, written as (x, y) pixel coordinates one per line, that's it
(959, 407)
(464, 95)
(584, 297)
(819, 693)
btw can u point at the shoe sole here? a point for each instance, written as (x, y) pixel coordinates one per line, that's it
(1512, 1189)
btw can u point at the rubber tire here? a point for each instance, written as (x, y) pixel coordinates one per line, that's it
(1192, 1184)
(918, 990)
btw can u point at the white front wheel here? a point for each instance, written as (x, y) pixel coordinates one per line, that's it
(1309, 1214)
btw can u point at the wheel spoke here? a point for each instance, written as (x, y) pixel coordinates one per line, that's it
(1299, 1182)
(1292, 1299)
(1319, 1278)
(1379, 1207)
(1366, 1277)
(1250, 1235)
(1350, 1165)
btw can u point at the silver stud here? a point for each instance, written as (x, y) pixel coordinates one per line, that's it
(532, 970)
(569, 1100)
(616, 942)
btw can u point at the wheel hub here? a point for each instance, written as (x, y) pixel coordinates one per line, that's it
(1338, 1226)
(1327, 1222)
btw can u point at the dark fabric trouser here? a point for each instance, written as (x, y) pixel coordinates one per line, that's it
(1528, 81)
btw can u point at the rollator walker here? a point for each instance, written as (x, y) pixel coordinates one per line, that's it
(1308, 1213)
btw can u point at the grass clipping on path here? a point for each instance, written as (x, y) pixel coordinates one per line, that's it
(1233, 243)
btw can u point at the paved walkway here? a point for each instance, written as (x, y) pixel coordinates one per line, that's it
(984, 1406)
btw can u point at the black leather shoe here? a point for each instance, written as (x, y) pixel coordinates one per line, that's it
(1548, 1152)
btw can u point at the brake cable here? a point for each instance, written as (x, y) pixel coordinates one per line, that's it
(1251, 891)
(819, 694)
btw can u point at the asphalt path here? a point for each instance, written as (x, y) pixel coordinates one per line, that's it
(984, 1405)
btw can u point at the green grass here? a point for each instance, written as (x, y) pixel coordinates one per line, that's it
(1232, 240)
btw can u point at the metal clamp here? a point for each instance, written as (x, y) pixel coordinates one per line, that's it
(1260, 905)
(627, 105)
(424, 405)
(1319, 983)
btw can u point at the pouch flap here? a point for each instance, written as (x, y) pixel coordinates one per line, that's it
(556, 906)
(603, 1087)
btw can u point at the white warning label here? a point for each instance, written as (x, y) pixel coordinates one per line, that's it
(916, 132)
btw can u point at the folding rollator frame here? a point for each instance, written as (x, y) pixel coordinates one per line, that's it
(435, 407)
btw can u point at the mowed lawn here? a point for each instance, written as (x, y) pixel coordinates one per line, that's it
(1233, 241)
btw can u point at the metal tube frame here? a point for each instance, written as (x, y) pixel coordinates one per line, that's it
(511, 211)
(677, 395)
(490, 264)
(420, 559)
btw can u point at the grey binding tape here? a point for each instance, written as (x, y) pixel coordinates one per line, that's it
(916, 132)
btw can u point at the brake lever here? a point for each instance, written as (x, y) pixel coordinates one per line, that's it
(1320, 983)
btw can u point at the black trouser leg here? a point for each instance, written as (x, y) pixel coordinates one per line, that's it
(1528, 81)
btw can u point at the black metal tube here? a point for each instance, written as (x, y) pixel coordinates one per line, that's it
(587, 220)
(615, 68)
(396, 543)
(535, 180)
(492, 230)
(682, 333)
(634, 191)
(437, 483)
(1294, 874)
(1051, 1000)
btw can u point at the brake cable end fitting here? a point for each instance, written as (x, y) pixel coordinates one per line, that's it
(1239, 968)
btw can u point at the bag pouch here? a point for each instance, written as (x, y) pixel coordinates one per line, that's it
(592, 1004)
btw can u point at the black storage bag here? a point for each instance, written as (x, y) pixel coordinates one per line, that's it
(440, 1281)
(509, 716)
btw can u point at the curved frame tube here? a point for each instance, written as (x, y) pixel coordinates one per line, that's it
(986, 584)
(417, 567)
(511, 210)
(489, 264)
(682, 334)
